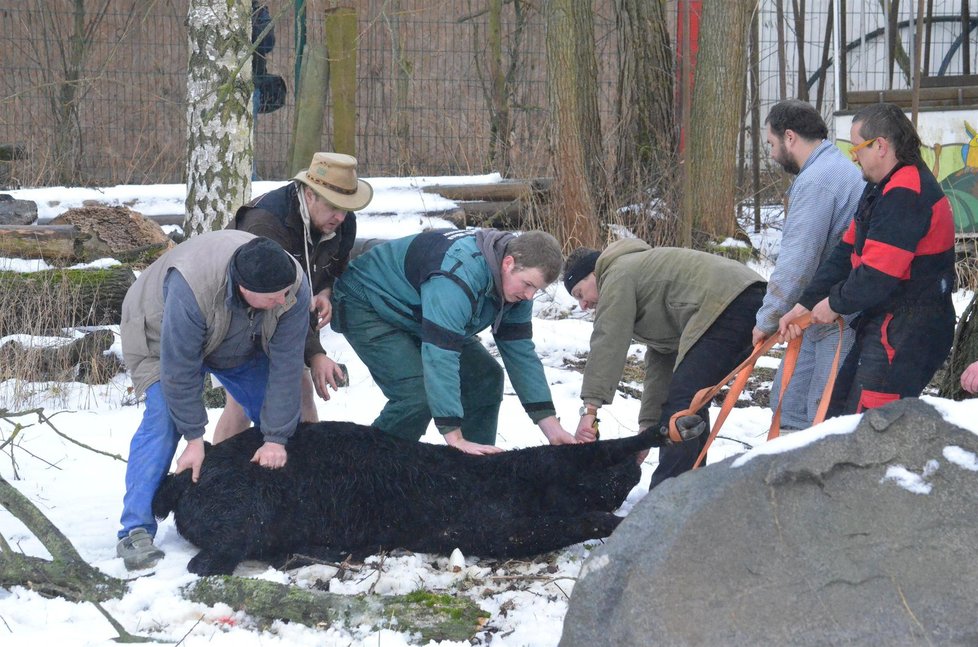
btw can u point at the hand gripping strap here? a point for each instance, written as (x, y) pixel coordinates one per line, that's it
(742, 373)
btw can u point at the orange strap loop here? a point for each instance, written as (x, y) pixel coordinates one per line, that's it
(741, 374)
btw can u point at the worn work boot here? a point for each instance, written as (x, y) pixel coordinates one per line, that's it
(137, 550)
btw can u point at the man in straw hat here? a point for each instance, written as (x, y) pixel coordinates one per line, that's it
(412, 309)
(312, 218)
(226, 303)
(693, 311)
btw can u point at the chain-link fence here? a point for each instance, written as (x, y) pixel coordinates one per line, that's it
(94, 91)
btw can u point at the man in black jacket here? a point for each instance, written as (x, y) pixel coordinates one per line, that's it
(312, 219)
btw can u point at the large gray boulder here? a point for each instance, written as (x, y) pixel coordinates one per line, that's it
(866, 538)
(17, 212)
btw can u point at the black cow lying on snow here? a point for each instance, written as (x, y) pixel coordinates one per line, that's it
(349, 489)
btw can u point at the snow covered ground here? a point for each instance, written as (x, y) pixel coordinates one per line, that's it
(81, 491)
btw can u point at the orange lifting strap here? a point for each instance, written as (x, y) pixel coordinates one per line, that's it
(742, 373)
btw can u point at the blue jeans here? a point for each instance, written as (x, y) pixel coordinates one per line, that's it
(155, 441)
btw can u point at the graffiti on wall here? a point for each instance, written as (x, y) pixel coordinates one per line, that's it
(951, 151)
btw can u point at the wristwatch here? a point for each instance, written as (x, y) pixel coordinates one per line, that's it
(588, 410)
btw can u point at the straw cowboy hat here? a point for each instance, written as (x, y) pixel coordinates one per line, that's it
(334, 177)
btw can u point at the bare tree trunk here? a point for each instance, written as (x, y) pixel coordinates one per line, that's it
(69, 75)
(782, 52)
(500, 124)
(341, 44)
(826, 56)
(755, 119)
(400, 116)
(646, 122)
(709, 194)
(580, 178)
(219, 119)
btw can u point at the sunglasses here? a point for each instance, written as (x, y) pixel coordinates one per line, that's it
(855, 149)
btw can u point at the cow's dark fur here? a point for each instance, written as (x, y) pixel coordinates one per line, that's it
(351, 489)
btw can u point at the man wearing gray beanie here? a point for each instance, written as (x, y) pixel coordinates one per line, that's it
(227, 303)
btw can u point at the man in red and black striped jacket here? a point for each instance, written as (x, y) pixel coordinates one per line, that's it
(894, 265)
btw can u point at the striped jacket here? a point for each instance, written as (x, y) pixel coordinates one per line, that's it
(898, 251)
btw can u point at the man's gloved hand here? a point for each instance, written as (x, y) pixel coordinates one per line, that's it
(689, 427)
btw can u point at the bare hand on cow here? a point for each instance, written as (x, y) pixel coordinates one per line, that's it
(325, 372)
(555, 433)
(191, 458)
(323, 308)
(271, 455)
(454, 439)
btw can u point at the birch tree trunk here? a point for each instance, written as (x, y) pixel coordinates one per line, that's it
(219, 117)
(709, 186)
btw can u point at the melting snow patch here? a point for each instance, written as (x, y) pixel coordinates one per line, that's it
(908, 480)
(961, 457)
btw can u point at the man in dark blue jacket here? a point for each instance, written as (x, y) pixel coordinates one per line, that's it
(312, 219)
(895, 265)
(411, 308)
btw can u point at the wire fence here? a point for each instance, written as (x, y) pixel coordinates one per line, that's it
(93, 92)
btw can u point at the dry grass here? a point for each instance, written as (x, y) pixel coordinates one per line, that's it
(42, 352)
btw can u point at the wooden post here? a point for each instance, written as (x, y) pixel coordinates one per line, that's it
(918, 37)
(755, 118)
(341, 43)
(310, 107)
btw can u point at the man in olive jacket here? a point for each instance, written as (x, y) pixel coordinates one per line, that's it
(694, 312)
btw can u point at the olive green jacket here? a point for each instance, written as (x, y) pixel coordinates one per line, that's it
(665, 298)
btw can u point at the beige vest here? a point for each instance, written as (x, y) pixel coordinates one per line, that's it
(203, 263)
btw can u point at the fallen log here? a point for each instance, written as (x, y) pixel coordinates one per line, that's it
(435, 617)
(56, 243)
(507, 190)
(79, 360)
(66, 574)
(86, 234)
(51, 300)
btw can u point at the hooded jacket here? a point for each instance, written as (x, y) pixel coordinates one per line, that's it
(663, 297)
(440, 287)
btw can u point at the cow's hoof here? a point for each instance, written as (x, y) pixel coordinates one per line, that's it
(210, 564)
